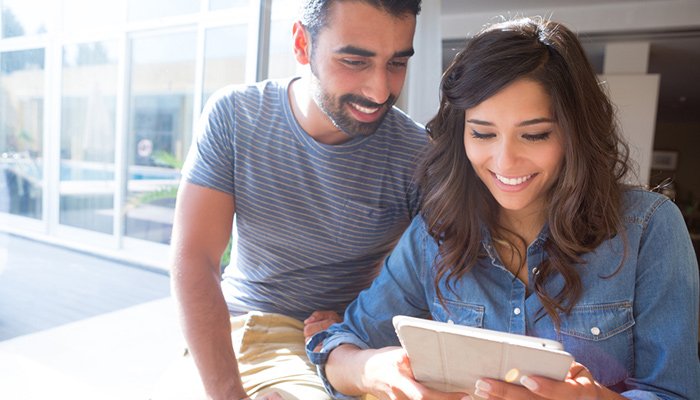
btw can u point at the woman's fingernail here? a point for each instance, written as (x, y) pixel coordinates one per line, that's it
(467, 398)
(481, 394)
(528, 383)
(483, 385)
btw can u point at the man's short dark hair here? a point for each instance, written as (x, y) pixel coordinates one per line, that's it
(314, 13)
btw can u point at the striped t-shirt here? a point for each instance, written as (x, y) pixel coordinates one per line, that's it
(314, 221)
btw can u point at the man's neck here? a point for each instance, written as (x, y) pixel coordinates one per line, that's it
(310, 117)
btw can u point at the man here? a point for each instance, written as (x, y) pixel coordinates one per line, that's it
(318, 172)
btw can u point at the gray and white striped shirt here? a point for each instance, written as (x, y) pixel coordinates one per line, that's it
(314, 221)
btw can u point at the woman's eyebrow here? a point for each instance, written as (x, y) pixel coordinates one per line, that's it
(528, 122)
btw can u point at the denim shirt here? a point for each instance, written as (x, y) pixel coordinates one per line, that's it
(636, 331)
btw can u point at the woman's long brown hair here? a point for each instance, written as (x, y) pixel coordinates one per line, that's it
(584, 204)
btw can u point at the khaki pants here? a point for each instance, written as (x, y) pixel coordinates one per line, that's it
(271, 357)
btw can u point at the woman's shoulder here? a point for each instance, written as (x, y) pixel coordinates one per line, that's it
(418, 232)
(418, 227)
(642, 205)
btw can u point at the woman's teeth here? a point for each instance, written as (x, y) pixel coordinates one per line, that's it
(513, 181)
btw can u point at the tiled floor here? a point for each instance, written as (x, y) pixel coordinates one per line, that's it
(73, 326)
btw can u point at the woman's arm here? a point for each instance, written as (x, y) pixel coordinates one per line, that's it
(665, 309)
(400, 288)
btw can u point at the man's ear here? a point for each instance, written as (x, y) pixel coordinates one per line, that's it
(302, 43)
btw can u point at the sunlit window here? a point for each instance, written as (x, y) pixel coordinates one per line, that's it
(224, 4)
(24, 17)
(21, 132)
(145, 9)
(81, 15)
(98, 101)
(282, 62)
(224, 57)
(159, 129)
(88, 123)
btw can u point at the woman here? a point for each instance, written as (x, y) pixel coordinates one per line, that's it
(527, 227)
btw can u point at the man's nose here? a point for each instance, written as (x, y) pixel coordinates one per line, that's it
(376, 87)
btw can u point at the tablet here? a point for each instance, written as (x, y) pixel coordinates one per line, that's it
(451, 358)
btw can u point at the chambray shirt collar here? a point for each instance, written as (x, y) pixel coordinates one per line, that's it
(534, 248)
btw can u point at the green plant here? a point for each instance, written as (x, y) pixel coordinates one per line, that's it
(169, 192)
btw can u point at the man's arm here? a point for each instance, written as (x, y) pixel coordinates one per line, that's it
(201, 231)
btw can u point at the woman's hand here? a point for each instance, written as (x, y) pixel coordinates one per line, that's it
(385, 373)
(578, 385)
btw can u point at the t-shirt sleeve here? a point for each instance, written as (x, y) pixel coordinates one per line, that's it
(210, 160)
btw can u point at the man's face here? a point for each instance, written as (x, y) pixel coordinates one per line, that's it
(358, 65)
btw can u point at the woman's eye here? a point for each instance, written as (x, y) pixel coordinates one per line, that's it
(535, 137)
(479, 135)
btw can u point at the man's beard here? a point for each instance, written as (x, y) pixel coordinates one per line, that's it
(342, 119)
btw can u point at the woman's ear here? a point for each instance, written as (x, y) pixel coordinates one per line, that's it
(302, 44)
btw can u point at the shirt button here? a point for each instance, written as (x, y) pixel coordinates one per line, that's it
(595, 331)
(535, 271)
(451, 322)
(516, 311)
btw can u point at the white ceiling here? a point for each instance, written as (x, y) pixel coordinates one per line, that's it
(480, 6)
(674, 43)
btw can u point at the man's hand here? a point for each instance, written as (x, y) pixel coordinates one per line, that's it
(319, 321)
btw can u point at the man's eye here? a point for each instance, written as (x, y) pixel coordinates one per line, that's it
(479, 135)
(398, 64)
(353, 63)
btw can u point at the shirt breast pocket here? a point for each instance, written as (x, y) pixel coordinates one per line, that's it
(600, 336)
(458, 312)
(362, 226)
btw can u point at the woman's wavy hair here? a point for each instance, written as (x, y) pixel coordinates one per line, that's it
(584, 203)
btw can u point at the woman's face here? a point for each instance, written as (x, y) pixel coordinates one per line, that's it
(515, 146)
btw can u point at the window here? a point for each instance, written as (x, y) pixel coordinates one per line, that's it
(224, 57)
(97, 108)
(24, 17)
(282, 62)
(21, 132)
(147, 9)
(88, 123)
(159, 130)
(223, 4)
(96, 16)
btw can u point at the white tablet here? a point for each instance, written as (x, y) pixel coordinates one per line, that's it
(450, 358)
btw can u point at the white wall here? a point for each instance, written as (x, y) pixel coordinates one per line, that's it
(635, 96)
(420, 97)
(605, 17)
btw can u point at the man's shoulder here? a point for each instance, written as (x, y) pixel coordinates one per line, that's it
(247, 101)
(397, 117)
(399, 125)
(271, 88)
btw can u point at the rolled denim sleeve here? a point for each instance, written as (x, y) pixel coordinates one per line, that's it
(640, 395)
(399, 289)
(330, 341)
